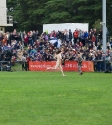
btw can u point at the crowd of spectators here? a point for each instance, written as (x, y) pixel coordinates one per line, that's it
(35, 46)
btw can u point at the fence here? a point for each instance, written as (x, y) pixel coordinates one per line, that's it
(88, 66)
(102, 66)
(10, 66)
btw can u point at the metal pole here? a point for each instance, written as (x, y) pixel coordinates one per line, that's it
(104, 24)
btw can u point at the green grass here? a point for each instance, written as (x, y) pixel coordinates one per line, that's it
(47, 98)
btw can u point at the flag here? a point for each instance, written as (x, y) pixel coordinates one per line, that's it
(55, 41)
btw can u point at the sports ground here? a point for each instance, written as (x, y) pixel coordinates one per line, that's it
(47, 98)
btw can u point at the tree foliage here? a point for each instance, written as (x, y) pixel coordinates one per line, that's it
(97, 25)
(31, 14)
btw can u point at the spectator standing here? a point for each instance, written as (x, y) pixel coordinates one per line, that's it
(70, 35)
(75, 35)
(66, 36)
(25, 40)
(86, 38)
(100, 36)
(93, 38)
(95, 34)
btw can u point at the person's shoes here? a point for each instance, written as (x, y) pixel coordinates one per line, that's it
(81, 73)
(64, 75)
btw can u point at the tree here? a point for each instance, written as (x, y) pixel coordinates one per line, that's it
(31, 14)
(97, 25)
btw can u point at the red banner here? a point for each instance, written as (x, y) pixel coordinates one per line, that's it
(87, 66)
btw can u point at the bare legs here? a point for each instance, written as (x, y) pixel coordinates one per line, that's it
(54, 68)
(62, 71)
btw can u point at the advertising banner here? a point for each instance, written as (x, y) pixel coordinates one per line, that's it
(87, 66)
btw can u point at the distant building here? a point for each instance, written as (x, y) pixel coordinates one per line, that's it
(5, 20)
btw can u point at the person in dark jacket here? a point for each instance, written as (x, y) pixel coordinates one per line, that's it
(70, 35)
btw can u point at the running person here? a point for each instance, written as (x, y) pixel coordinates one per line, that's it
(58, 57)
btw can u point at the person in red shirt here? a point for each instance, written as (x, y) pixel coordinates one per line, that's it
(75, 35)
(25, 40)
(27, 63)
(93, 38)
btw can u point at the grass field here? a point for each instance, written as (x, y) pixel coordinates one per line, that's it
(47, 98)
